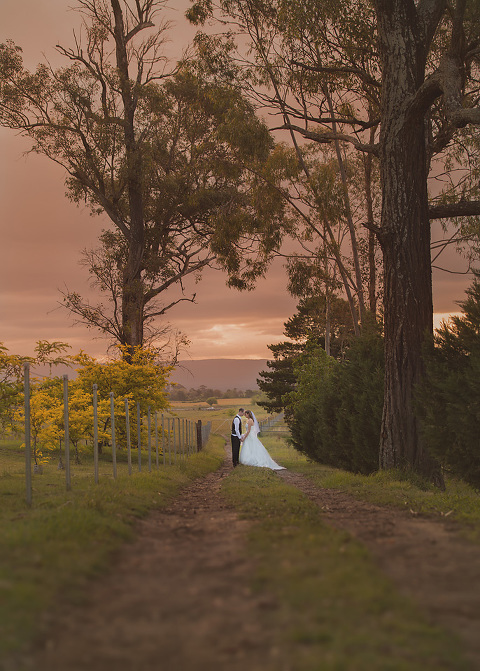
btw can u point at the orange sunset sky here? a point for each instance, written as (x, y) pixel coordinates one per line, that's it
(42, 233)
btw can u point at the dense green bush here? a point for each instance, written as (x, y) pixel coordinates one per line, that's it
(336, 409)
(449, 400)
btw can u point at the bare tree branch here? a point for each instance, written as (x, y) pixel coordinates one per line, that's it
(451, 210)
(327, 137)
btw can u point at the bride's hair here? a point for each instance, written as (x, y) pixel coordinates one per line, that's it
(249, 414)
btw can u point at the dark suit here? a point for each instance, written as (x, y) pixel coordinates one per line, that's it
(236, 433)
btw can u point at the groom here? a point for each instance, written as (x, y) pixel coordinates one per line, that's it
(236, 435)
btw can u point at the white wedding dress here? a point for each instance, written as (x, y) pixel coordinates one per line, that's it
(253, 453)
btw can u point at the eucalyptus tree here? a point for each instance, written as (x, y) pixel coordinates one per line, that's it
(336, 256)
(336, 204)
(397, 80)
(162, 153)
(204, 206)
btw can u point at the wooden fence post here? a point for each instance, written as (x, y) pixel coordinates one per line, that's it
(139, 437)
(95, 432)
(149, 439)
(174, 441)
(163, 441)
(199, 435)
(180, 439)
(114, 445)
(156, 439)
(129, 446)
(169, 445)
(28, 447)
(66, 430)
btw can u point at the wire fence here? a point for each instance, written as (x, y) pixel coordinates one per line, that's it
(270, 424)
(274, 424)
(168, 438)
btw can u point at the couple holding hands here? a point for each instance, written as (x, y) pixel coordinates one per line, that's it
(252, 452)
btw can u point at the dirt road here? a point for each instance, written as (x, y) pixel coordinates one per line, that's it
(178, 597)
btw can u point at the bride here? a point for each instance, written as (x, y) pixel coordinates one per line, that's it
(253, 453)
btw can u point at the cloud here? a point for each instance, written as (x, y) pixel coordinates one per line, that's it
(245, 340)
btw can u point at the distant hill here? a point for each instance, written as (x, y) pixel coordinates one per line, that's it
(219, 374)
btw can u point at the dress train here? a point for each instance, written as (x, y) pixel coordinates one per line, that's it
(253, 453)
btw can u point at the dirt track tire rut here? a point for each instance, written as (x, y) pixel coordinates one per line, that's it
(427, 558)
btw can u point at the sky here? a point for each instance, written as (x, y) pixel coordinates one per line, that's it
(43, 234)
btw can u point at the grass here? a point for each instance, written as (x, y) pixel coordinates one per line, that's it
(336, 612)
(458, 502)
(65, 538)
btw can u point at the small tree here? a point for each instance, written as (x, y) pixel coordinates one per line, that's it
(11, 376)
(80, 414)
(449, 400)
(280, 378)
(335, 410)
(11, 385)
(44, 431)
(307, 327)
(143, 380)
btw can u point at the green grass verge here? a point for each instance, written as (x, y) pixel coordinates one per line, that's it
(458, 502)
(336, 611)
(65, 538)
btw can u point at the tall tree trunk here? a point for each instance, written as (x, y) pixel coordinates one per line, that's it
(132, 311)
(405, 238)
(132, 290)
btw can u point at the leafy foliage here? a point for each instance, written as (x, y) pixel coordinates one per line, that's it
(335, 410)
(142, 381)
(291, 69)
(11, 375)
(390, 80)
(306, 328)
(449, 400)
(280, 379)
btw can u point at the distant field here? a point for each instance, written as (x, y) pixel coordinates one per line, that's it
(221, 415)
(188, 404)
(237, 402)
(234, 402)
